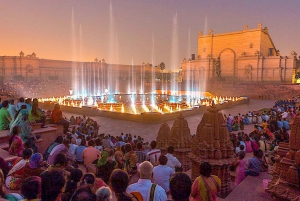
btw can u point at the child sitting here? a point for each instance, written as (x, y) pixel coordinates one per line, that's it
(240, 168)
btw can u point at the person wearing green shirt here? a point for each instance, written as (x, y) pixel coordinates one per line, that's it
(4, 116)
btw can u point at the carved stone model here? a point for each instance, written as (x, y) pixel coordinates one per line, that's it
(163, 136)
(285, 184)
(212, 144)
(180, 140)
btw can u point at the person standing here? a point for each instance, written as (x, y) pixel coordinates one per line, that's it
(173, 162)
(12, 109)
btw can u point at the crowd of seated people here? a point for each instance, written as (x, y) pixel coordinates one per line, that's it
(83, 164)
(34, 88)
(64, 182)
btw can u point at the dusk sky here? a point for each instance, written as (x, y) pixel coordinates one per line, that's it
(136, 31)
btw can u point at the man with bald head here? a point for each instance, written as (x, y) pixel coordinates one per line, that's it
(148, 190)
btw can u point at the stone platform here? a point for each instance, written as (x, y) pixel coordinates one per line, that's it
(147, 117)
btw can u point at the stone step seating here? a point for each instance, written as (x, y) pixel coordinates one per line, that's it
(60, 128)
(251, 189)
(6, 156)
(35, 126)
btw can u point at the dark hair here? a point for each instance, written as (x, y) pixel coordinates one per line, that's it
(21, 99)
(119, 181)
(91, 143)
(84, 194)
(59, 139)
(170, 150)
(15, 131)
(76, 175)
(52, 184)
(60, 159)
(241, 155)
(242, 147)
(5, 103)
(98, 142)
(27, 153)
(66, 141)
(139, 145)
(258, 153)
(163, 160)
(88, 178)
(205, 169)
(128, 147)
(31, 187)
(180, 186)
(153, 144)
(83, 142)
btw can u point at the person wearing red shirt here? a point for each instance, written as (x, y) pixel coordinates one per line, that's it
(57, 118)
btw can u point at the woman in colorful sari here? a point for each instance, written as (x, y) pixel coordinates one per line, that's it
(206, 186)
(105, 167)
(36, 115)
(35, 166)
(26, 132)
(15, 142)
(14, 177)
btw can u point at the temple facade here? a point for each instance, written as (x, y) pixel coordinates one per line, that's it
(248, 55)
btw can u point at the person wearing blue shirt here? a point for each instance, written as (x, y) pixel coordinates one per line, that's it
(79, 150)
(286, 124)
(279, 123)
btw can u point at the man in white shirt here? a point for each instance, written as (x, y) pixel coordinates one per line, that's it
(153, 154)
(149, 191)
(172, 160)
(163, 173)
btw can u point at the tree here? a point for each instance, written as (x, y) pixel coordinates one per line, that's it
(162, 68)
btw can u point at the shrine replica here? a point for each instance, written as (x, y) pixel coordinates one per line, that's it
(212, 144)
(179, 137)
(286, 182)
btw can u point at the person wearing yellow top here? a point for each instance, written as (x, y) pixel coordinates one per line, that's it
(36, 115)
(206, 186)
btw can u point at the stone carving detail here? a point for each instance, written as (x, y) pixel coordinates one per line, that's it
(29, 68)
(293, 53)
(212, 144)
(184, 60)
(180, 133)
(200, 33)
(248, 69)
(259, 25)
(163, 136)
(285, 182)
(256, 53)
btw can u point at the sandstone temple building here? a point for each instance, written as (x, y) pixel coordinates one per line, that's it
(248, 55)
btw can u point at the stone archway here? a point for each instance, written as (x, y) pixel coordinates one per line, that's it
(227, 63)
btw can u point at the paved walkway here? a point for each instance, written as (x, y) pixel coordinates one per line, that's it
(149, 131)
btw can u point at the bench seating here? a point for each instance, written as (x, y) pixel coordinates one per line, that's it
(48, 135)
(6, 156)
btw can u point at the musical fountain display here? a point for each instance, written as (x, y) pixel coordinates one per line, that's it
(146, 89)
